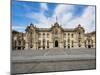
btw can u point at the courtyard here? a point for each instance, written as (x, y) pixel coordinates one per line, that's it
(56, 59)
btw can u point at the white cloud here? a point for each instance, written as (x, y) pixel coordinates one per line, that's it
(63, 13)
(63, 9)
(65, 18)
(87, 19)
(44, 6)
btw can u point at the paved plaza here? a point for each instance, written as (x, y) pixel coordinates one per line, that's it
(57, 59)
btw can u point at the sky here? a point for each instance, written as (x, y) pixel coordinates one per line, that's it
(43, 15)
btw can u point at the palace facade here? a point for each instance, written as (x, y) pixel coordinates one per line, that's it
(53, 37)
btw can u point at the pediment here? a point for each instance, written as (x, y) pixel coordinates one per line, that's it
(56, 26)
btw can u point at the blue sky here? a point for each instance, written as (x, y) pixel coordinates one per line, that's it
(43, 15)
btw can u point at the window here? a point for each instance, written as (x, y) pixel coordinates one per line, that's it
(39, 44)
(64, 43)
(68, 34)
(43, 43)
(79, 43)
(43, 35)
(47, 43)
(79, 34)
(47, 35)
(64, 35)
(72, 35)
(72, 43)
(68, 45)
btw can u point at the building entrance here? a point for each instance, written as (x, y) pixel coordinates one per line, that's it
(56, 43)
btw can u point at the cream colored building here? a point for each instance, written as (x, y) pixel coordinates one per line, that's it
(53, 37)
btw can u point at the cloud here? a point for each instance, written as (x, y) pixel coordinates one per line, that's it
(63, 13)
(43, 6)
(87, 19)
(63, 9)
(65, 17)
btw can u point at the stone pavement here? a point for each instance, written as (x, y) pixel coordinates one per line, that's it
(32, 61)
(52, 54)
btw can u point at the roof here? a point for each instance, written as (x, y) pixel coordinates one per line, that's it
(90, 33)
(43, 29)
(68, 29)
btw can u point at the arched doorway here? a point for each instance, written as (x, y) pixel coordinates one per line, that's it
(56, 43)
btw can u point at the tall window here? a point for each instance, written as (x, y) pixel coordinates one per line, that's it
(47, 35)
(47, 43)
(64, 43)
(43, 35)
(64, 35)
(68, 34)
(79, 34)
(79, 43)
(72, 43)
(43, 43)
(39, 44)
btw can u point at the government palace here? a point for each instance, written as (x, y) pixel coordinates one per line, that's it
(54, 37)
